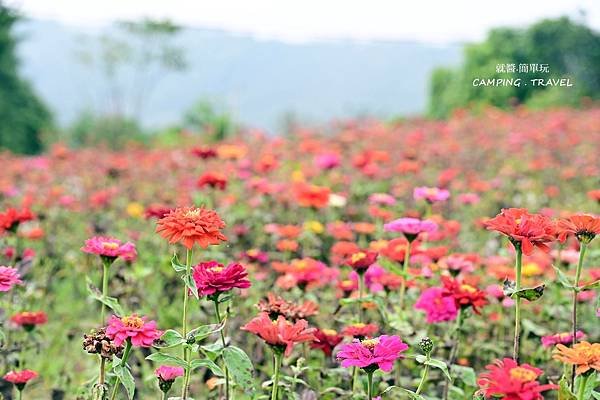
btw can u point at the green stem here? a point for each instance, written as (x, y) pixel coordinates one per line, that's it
(275, 389)
(354, 379)
(582, 249)
(20, 396)
(186, 350)
(404, 275)
(164, 396)
(105, 275)
(219, 320)
(423, 377)
(370, 385)
(123, 362)
(517, 338)
(582, 385)
(454, 350)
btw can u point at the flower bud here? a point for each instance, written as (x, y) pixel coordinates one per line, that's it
(426, 345)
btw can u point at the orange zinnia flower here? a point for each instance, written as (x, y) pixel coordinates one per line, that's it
(584, 355)
(584, 227)
(190, 225)
(312, 196)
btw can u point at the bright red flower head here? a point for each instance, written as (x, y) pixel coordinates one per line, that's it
(20, 378)
(464, 295)
(312, 196)
(29, 319)
(190, 225)
(280, 334)
(510, 381)
(212, 179)
(141, 332)
(524, 229)
(212, 277)
(326, 340)
(362, 260)
(583, 227)
(11, 218)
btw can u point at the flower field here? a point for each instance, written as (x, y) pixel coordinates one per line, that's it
(422, 259)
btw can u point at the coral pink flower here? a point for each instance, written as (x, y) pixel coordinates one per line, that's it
(110, 248)
(380, 352)
(430, 194)
(212, 277)
(191, 225)
(360, 330)
(524, 229)
(168, 373)
(281, 334)
(20, 378)
(29, 319)
(438, 306)
(9, 277)
(561, 338)
(584, 227)
(411, 227)
(510, 381)
(141, 333)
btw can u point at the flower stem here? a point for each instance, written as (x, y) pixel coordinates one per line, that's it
(20, 396)
(278, 358)
(454, 350)
(582, 385)
(101, 374)
(517, 338)
(582, 249)
(164, 396)
(404, 275)
(105, 275)
(423, 378)
(370, 385)
(123, 362)
(219, 320)
(186, 350)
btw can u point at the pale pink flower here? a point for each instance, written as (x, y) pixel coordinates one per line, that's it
(110, 248)
(431, 194)
(9, 277)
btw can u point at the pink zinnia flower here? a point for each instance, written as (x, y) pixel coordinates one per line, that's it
(561, 338)
(438, 306)
(9, 277)
(327, 161)
(410, 227)
(430, 194)
(212, 277)
(20, 378)
(141, 333)
(382, 199)
(110, 248)
(380, 352)
(168, 373)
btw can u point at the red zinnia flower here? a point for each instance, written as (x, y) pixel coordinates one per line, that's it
(360, 330)
(281, 334)
(212, 277)
(11, 218)
(191, 225)
(326, 340)
(524, 229)
(213, 180)
(584, 227)
(312, 196)
(20, 378)
(362, 260)
(510, 381)
(464, 295)
(141, 333)
(29, 319)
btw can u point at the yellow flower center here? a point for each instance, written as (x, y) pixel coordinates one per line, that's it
(329, 332)
(370, 343)
(133, 321)
(468, 288)
(356, 257)
(216, 268)
(252, 252)
(110, 245)
(523, 374)
(359, 325)
(193, 213)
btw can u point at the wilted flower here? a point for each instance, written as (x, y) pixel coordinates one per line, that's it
(190, 225)
(371, 354)
(97, 342)
(276, 306)
(9, 277)
(137, 329)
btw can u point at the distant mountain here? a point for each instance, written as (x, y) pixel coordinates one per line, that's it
(260, 80)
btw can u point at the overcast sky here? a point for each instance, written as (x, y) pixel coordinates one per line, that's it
(303, 20)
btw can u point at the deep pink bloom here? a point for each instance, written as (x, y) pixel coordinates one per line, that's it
(212, 277)
(410, 227)
(9, 277)
(379, 352)
(141, 333)
(327, 160)
(168, 373)
(430, 194)
(438, 306)
(110, 248)
(561, 338)
(20, 378)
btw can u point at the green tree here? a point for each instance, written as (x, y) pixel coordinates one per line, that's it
(571, 50)
(23, 116)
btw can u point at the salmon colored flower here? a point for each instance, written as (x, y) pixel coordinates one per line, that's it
(583, 227)
(510, 381)
(212, 277)
(109, 248)
(20, 378)
(9, 277)
(280, 334)
(326, 340)
(190, 225)
(29, 319)
(371, 354)
(360, 330)
(584, 356)
(524, 229)
(142, 333)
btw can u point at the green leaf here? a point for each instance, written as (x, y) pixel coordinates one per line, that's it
(563, 392)
(240, 367)
(412, 394)
(177, 266)
(215, 369)
(530, 294)
(432, 362)
(124, 375)
(590, 286)
(354, 300)
(96, 294)
(168, 359)
(170, 338)
(590, 384)
(191, 284)
(465, 374)
(205, 331)
(562, 278)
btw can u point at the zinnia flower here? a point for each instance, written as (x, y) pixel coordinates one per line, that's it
(9, 277)
(430, 194)
(11, 218)
(109, 248)
(20, 378)
(438, 306)
(584, 227)
(280, 334)
(370, 354)
(510, 381)
(326, 340)
(212, 277)
(141, 333)
(464, 294)
(30, 319)
(524, 229)
(213, 180)
(561, 338)
(275, 306)
(168, 373)
(362, 260)
(191, 225)
(584, 356)
(360, 330)
(312, 196)
(410, 227)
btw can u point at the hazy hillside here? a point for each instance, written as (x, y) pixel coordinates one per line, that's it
(259, 79)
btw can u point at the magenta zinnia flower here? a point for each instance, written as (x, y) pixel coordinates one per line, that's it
(380, 352)
(168, 373)
(430, 194)
(410, 227)
(438, 306)
(9, 277)
(212, 277)
(141, 333)
(561, 338)
(110, 248)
